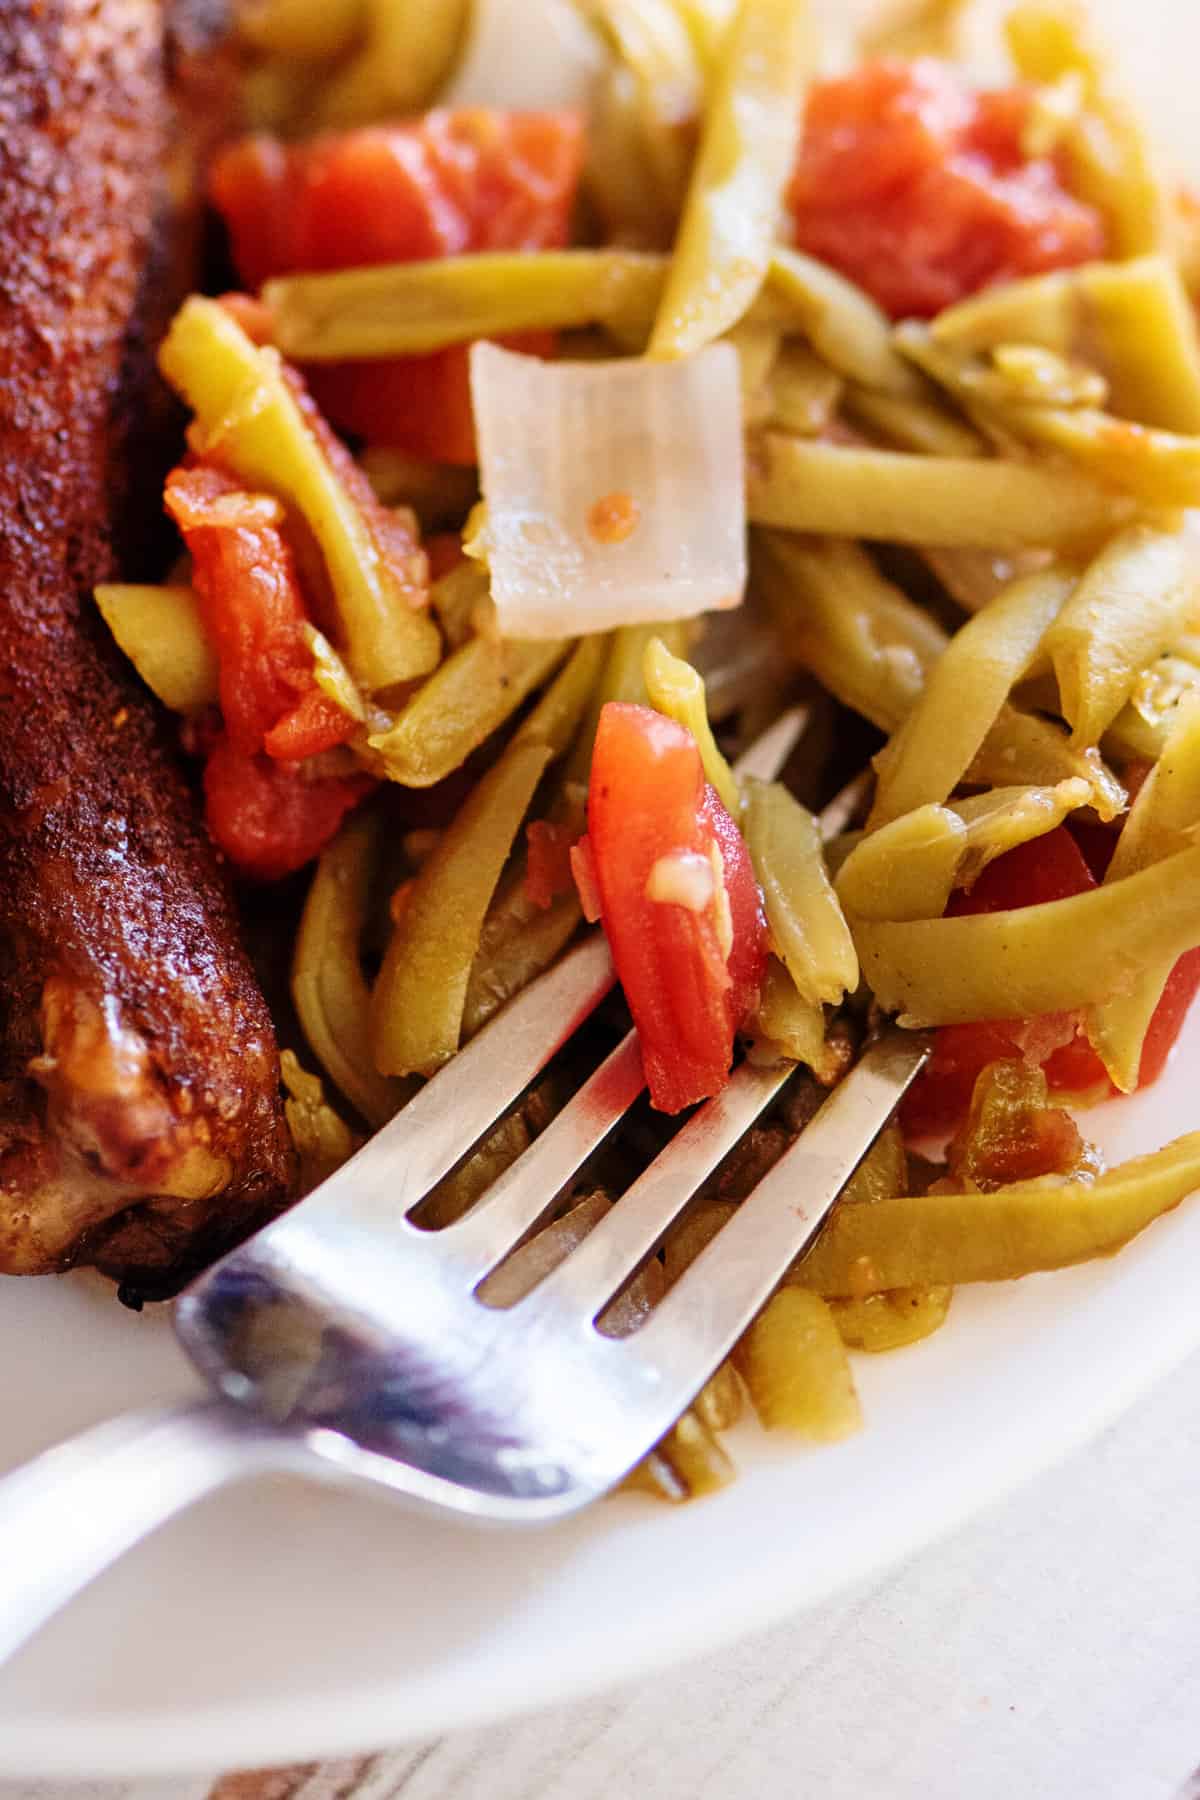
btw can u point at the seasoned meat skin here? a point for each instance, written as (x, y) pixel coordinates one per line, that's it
(140, 1122)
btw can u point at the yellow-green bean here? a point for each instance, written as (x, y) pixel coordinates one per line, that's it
(676, 689)
(1046, 1224)
(921, 426)
(476, 689)
(842, 323)
(329, 989)
(807, 930)
(963, 694)
(411, 46)
(417, 1005)
(747, 148)
(885, 495)
(246, 412)
(399, 309)
(802, 391)
(1138, 595)
(1049, 958)
(162, 633)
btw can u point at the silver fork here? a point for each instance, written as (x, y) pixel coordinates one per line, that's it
(347, 1343)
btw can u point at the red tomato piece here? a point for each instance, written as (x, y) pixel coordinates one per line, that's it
(245, 577)
(917, 188)
(452, 181)
(267, 818)
(689, 973)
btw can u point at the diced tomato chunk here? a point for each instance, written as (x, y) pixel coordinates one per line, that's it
(452, 181)
(691, 960)
(917, 188)
(1053, 867)
(267, 817)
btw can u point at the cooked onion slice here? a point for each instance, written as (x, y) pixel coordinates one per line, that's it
(614, 490)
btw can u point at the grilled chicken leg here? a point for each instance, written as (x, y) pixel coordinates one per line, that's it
(140, 1123)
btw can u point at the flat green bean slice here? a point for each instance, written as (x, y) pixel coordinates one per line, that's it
(1132, 321)
(950, 1238)
(802, 392)
(1023, 748)
(1137, 596)
(1163, 820)
(409, 50)
(161, 631)
(885, 495)
(842, 323)
(807, 929)
(460, 599)
(476, 689)
(786, 1025)
(891, 1321)
(656, 49)
(417, 1005)
(329, 989)
(247, 413)
(909, 868)
(863, 639)
(1054, 957)
(676, 689)
(964, 693)
(921, 426)
(748, 146)
(1140, 730)
(499, 974)
(399, 309)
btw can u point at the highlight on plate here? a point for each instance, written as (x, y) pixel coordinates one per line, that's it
(583, 385)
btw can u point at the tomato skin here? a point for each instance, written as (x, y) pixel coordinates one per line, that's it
(1053, 867)
(266, 817)
(648, 799)
(917, 188)
(548, 861)
(452, 181)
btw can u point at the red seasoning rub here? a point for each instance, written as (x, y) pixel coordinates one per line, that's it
(140, 1122)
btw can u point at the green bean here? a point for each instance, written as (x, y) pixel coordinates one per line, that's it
(417, 1005)
(499, 974)
(249, 416)
(322, 1140)
(885, 495)
(476, 689)
(837, 616)
(786, 1025)
(1137, 595)
(654, 46)
(892, 1320)
(329, 990)
(675, 688)
(973, 578)
(920, 426)
(1048, 958)
(1134, 321)
(297, 28)
(747, 148)
(410, 49)
(794, 1363)
(841, 322)
(963, 694)
(1026, 750)
(161, 631)
(1163, 820)
(807, 930)
(802, 392)
(462, 601)
(1140, 730)
(909, 868)
(1113, 164)
(757, 347)
(1046, 1224)
(398, 309)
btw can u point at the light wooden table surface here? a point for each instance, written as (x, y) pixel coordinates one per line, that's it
(1049, 1651)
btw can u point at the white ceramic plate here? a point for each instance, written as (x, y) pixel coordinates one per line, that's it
(280, 1622)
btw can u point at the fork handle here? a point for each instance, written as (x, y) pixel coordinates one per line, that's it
(68, 1514)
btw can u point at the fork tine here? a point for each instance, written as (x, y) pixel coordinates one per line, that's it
(713, 1302)
(516, 1201)
(465, 1098)
(615, 1246)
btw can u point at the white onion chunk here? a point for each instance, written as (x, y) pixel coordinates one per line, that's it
(615, 490)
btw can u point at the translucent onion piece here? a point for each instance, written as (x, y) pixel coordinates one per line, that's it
(615, 490)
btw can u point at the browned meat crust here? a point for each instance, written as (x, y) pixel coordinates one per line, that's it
(140, 1124)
